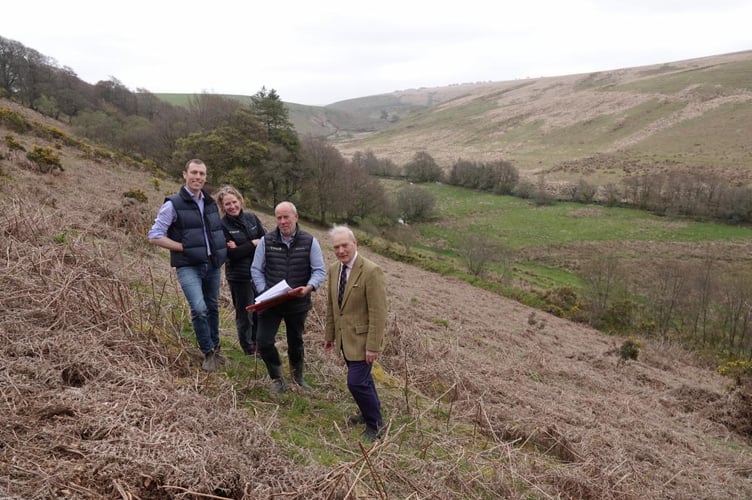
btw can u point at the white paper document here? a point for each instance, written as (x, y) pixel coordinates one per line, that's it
(280, 288)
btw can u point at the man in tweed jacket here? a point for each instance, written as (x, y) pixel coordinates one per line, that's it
(356, 323)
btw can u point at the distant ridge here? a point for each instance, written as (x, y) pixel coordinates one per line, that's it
(693, 113)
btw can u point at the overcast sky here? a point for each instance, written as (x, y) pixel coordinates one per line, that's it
(322, 51)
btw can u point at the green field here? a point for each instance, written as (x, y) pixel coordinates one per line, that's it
(544, 239)
(518, 223)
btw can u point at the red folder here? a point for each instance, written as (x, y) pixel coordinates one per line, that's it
(266, 304)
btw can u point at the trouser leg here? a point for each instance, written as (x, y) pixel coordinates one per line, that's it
(295, 326)
(269, 321)
(191, 281)
(363, 389)
(242, 296)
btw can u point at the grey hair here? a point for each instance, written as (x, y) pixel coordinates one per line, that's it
(342, 229)
(288, 203)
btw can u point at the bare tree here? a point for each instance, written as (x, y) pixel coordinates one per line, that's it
(325, 168)
(737, 310)
(604, 278)
(208, 111)
(415, 203)
(665, 295)
(479, 252)
(584, 192)
(700, 298)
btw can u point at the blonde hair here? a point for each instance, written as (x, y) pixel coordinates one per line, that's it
(224, 191)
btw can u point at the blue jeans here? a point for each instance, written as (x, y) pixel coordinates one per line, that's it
(200, 285)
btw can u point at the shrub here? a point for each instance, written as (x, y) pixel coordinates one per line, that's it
(14, 121)
(45, 158)
(584, 192)
(739, 370)
(565, 303)
(56, 134)
(137, 195)
(630, 349)
(100, 154)
(415, 204)
(13, 145)
(618, 317)
(423, 168)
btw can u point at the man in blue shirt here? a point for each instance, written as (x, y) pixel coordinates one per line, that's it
(189, 226)
(291, 254)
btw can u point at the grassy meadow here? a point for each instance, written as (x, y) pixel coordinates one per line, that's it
(524, 228)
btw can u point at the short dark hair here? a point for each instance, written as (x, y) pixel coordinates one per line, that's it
(191, 162)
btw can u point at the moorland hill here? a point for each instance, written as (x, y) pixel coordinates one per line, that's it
(602, 126)
(485, 397)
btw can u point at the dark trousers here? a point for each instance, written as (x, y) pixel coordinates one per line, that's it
(268, 323)
(361, 385)
(246, 322)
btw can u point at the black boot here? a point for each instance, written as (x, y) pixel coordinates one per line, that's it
(297, 376)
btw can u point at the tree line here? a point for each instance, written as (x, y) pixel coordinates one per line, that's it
(704, 302)
(252, 146)
(257, 148)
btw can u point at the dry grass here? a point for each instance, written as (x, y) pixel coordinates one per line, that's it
(102, 397)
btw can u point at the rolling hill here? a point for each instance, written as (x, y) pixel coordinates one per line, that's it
(486, 398)
(602, 126)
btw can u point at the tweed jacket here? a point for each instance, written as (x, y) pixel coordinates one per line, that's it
(360, 323)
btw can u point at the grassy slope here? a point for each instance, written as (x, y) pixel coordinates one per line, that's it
(633, 112)
(691, 112)
(486, 398)
(544, 395)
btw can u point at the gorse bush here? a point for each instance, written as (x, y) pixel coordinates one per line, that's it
(630, 349)
(14, 121)
(137, 195)
(739, 370)
(57, 135)
(12, 144)
(45, 158)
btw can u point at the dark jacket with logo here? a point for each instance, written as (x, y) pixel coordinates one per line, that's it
(292, 264)
(188, 229)
(242, 229)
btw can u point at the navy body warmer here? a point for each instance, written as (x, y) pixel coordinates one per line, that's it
(292, 264)
(189, 230)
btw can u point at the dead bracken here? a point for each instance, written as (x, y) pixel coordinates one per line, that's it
(102, 399)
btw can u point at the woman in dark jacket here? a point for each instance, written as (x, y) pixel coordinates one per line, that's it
(242, 231)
